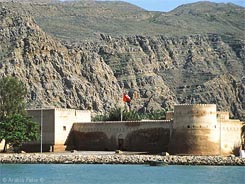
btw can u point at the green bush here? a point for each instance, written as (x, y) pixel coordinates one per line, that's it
(115, 115)
(17, 129)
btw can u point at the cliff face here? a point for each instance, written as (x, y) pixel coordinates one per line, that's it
(191, 69)
(54, 75)
(156, 71)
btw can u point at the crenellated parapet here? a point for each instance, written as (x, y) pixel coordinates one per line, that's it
(223, 115)
(197, 115)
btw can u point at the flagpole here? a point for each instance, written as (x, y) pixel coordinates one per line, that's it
(121, 115)
(121, 107)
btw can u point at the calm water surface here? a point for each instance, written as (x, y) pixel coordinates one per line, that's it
(119, 174)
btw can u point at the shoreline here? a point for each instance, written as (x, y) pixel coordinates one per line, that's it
(79, 158)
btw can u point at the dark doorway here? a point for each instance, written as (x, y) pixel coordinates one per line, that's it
(120, 144)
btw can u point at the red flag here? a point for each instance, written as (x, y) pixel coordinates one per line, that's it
(126, 98)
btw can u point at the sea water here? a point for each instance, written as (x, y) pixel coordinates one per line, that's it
(120, 174)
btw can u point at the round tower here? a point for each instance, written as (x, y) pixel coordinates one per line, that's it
(195, 130)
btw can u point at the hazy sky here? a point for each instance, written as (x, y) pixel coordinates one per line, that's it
(167, 5)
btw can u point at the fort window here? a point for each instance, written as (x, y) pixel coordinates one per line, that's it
(64, 128)
(188, 126)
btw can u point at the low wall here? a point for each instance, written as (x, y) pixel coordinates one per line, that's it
(148, 136)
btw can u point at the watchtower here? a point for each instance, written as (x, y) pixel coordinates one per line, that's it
(195, 130)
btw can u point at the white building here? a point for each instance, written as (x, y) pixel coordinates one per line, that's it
(56, 126)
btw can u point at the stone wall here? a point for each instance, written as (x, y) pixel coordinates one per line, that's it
(48, 128)
(150, 136)
(195, 130)
(57, 125)
(230, 132)
(64, 119)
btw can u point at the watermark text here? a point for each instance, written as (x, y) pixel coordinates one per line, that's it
(21, 180)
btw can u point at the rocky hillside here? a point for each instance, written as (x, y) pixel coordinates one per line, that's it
(164, 71)
(156, 70)
(54, 75)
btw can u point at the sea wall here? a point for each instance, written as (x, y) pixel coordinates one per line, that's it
(76, 158)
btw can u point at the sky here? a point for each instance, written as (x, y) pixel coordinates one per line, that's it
(168, 5)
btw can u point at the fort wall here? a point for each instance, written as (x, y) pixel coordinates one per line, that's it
(56, 127)
(190, 130)
(64, 119)
(150, 136)
(47, 116)
(230, 132)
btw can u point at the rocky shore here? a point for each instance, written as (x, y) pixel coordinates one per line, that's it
(75, 158)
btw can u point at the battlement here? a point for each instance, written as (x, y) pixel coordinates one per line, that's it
(189, 110)
(223, 115)
(70, 110)
(194, 105)
(194, 114)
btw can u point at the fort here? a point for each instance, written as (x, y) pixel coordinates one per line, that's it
(191, 129)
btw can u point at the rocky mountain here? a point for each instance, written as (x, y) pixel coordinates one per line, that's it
(86, 20)
(164, 71)
(187, 65)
